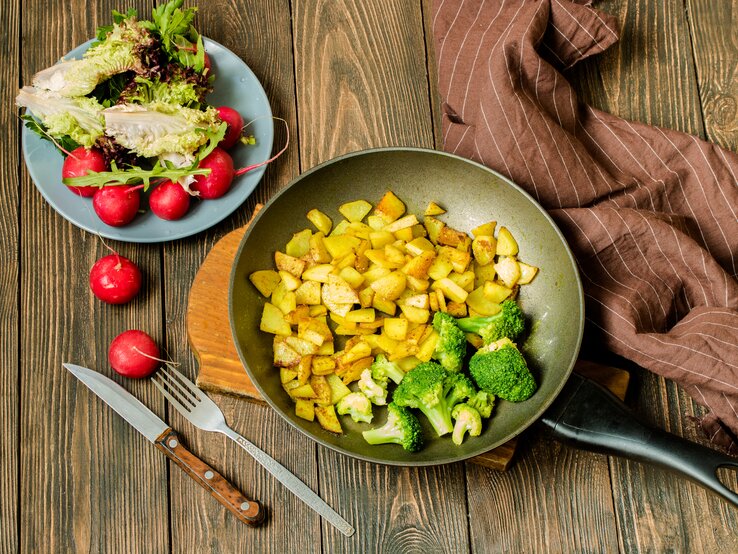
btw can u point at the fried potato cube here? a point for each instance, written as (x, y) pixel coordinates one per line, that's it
(391, 286)
(451, 237)
(286, 375)
(427, 347)
(322, 390)
(385, 306)
(326, 349)
(290, 264)
(396, 328)
(508, 271)
(301, 346)
(441, 301)
(417, 285)
(318, 273)
(464, 280)
(487, 229)
(364, 315)
(366, 295)
(321, 221)
(384, 342)
(403, 350)
(440, 268)
(405, 235)
(318, 252)
(506, 243)
(338, 389)
(402, 223)
(483, 273)
(484, 248)
(273, 321)
(359, 230)
(302, 391)
(527, 273)
(434, 227)
(284, 299)
(406, 364)
(433, 301)
(380, 239)
(284, 356)
(459, 259)
(265, 281)
(328, 419)
(299, 244)
(415, 315)
(322, 365)
(308, 293)
(434, 209)
(337, 290)
(456, 309)
(419, 245)
(341, 245)
(291, 282)
(375, 222)
(305, 409)
(356, 210)
(450, 290)
(390, 208)
(419, 267)
(340, 229)
(496, 292)
(304, 369)
(352, 277)
(354, 370)
(356, 352)
(375, 272)
(379, 257)
(316, 311)
(297, 315)
(394, 256)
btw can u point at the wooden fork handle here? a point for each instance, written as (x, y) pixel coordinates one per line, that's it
(248, 511)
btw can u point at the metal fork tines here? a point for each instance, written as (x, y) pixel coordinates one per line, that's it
(202, 412)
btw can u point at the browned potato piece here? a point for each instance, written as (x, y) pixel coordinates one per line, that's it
(323, 365)
(434, 209)
(321, 221)
(305, 409)
(506, 243)
(434, 227)
(322, 390)
(390, 208)
(484, 248)
(265, 281)
(284, 356)
(273, 321)
(290, 264)
(356, 210)
(451, 237)
(391, 286)
(328, 419)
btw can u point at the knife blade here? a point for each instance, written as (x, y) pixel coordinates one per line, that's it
(158, 432)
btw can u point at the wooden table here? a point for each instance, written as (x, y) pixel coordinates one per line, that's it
(346, 75)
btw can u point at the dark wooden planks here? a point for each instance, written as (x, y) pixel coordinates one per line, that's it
(715, 49)
(88, 482)
(650, 76)
(259, 33)
(9, 269)
(362, 82)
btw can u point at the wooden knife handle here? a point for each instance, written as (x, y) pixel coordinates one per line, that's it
(248, 511)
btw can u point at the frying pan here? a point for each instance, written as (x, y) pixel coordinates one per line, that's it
(585, 414)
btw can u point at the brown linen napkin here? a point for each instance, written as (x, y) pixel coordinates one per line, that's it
(649, 213)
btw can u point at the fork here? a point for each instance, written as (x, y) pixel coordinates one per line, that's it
(202, 412)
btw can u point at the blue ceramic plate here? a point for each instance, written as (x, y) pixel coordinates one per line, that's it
(235, 86)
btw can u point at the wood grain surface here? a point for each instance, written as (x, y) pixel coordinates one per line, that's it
(346, 75)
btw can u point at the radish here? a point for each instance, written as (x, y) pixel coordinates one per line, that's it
(169, 201)
(117, 205)
(115, 279)
(134, 354)
(235, 125)
(78, 163)
(218, 181)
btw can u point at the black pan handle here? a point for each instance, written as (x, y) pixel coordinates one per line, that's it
(588, 416)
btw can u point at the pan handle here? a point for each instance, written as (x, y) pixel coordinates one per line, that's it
(588, 416)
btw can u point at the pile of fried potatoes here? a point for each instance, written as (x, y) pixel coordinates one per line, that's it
(376, 278)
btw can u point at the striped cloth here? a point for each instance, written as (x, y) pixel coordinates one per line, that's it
(649, 213)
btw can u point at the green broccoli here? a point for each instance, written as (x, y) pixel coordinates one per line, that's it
(467, 419)
(433, 390)
(500, 369)
(508, 322)
(482, 402)
(402, 428)
(382, 369)
(357, 405)
(374, 389)
(451, 346)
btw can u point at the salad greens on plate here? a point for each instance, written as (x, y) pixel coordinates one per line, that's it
(137, 96)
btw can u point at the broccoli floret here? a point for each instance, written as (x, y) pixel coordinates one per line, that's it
(458, 388)
(508, 322)
(500, 369)
(451, 346)
(374, 389)
(433, 390)
(382, 369)
(402, 428)
(357, 405)
(482, 402)
(467, 419)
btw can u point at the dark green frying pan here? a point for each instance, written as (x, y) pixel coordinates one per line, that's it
(472, 194)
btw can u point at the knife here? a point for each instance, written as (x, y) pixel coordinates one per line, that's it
(153, 428)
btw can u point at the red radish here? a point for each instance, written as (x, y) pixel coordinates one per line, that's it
(117, 205)
(134, 354)
(218, 181)
(115, 279)
(169, 201)
(208, 64)
(78, 163)
(235, 125)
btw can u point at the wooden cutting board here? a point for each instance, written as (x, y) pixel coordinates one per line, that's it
(220, 369)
